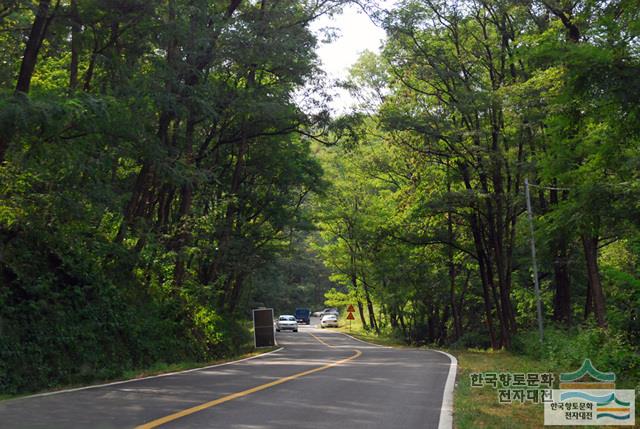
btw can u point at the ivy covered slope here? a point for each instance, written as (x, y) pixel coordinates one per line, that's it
(425, 224)
(152, 162)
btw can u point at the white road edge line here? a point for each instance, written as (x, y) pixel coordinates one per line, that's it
(446, 409)
(133, 380)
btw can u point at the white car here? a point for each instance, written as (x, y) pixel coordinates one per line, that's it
(286, 322)
(329, 320)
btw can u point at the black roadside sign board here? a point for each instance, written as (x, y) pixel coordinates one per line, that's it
(263, 327)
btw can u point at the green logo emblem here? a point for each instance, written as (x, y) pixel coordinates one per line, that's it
(587, 368)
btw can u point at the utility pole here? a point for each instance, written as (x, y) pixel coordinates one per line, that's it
(533, 258)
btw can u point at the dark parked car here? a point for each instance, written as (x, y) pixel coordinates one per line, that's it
(302, 315)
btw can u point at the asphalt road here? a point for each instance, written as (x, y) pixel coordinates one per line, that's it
(319, 379)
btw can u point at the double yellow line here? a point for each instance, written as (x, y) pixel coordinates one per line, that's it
(189, 411)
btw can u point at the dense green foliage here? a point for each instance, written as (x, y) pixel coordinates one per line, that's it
(153, 165)
(426, 223)
(157, 179)
(566, 348)
(297, 278)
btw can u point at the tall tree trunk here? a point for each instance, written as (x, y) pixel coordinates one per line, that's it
(224, 240)
(34, 43)
(165, 199)
(138, 199)
(184, 237)
(361, 314)
(562, 298)
(372, 316)
(483, 269)
(29, 58)
(393, 317)
(4, 145)
(75, 45)
(403, 325)
(234, 298)
(457, 327)
(88, 74)
(367, 295)
(442, 328)
(588, 302)
(495, 231)
(354, 285)
(147, 172)
(224, 236)
(432, 321)
(186, 198)
(590, 245)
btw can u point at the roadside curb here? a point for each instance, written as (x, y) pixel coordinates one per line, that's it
(446, 409)
(133, 380)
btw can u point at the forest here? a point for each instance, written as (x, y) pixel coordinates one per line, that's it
(154, 165)
(426, 220)
(167, 165)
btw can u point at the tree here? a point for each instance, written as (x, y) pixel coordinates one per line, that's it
(154, 163)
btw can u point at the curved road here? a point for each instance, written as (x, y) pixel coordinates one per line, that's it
(318, 379)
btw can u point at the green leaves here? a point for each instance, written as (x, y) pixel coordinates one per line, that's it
(465, 101)
(155, 169)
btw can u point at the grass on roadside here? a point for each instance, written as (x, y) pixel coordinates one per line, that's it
(370, 336)
(355, 328)
(479, 407)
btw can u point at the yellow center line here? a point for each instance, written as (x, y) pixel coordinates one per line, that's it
(192, 410)
(319, 339)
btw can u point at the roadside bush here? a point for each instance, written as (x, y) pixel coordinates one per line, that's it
(71, 315)
(472, 340)
(565, 350)
(623, 303)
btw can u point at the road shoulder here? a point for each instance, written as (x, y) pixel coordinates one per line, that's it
(147, 377)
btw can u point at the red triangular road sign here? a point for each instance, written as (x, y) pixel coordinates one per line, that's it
(351, 309)
(350, 316)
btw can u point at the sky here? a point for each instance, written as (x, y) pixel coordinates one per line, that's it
(356, 34)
